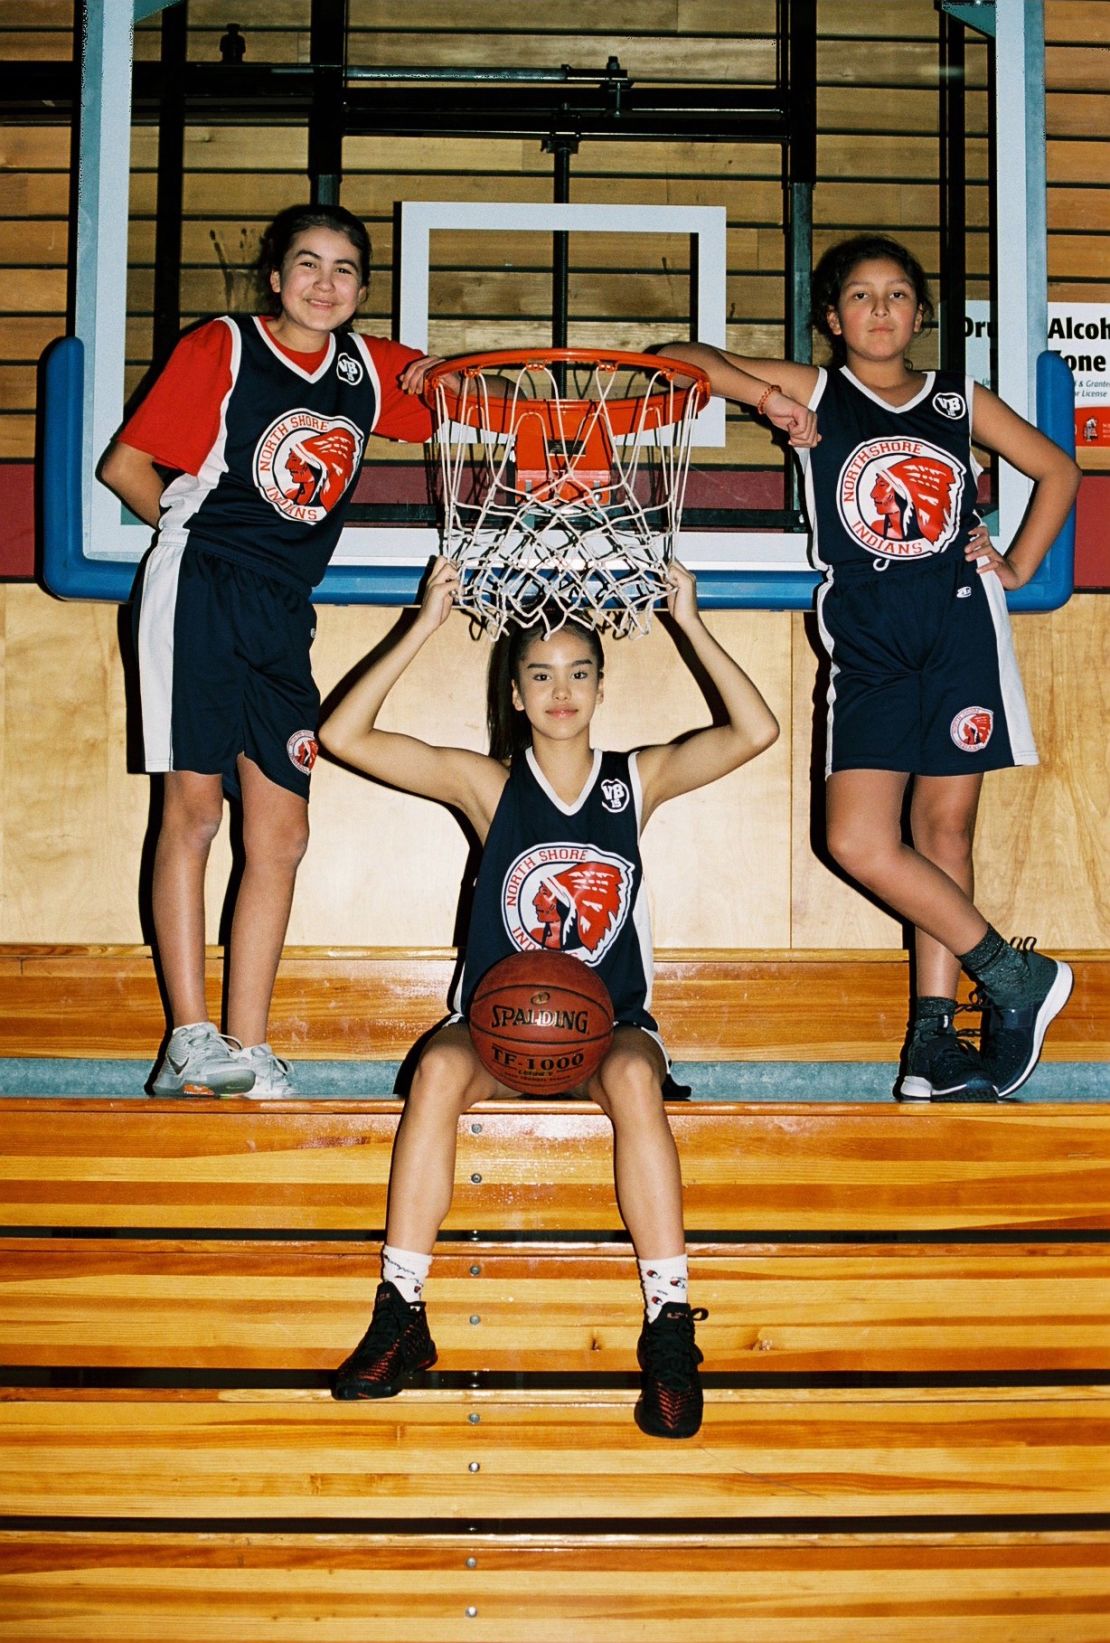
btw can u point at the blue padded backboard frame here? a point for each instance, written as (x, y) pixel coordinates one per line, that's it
(71, 575)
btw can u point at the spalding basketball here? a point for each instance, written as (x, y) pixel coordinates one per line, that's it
(541, 1022)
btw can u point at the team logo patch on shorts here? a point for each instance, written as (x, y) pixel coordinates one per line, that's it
(900, 498)
(304, 463)
(302, 748)
(971, 729)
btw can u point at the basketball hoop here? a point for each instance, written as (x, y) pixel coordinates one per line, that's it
(563, 472)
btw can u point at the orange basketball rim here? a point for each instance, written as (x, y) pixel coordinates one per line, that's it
(562, 477)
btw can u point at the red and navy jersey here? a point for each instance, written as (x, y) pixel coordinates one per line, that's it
(567, 879)
(890, 485)
(269, 443)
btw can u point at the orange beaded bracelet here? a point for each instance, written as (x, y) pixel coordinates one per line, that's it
(772, 388)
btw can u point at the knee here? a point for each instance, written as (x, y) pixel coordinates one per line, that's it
(444, 1082)
(854, 846)
(944, 838)
(192, 820)
(628, 1091)
(277, 844)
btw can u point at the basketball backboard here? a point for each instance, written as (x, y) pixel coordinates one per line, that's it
(93, 546)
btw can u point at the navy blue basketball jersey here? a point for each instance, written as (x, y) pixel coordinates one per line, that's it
(274, 488)
(567, 879)
(890, 485)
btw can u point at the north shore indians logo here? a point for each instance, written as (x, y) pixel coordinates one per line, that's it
(304, 462)
(302, 748)
(900, 498)
(971, 729)
(567, 898)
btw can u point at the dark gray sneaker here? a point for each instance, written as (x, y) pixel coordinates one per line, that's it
(1012, 1039)
(943, 1066)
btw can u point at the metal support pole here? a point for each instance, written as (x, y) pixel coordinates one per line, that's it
(953, 202)
(171, 181)
(327, 118)
(801, 172)
(560, 145)
(800, 34)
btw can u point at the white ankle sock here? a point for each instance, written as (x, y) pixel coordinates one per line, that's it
(406, 1270)
(662, 1281)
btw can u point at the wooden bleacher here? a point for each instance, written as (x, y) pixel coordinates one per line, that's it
(823, 1005)
(907, 1432)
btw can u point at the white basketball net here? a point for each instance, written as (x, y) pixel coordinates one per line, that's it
(560, 503)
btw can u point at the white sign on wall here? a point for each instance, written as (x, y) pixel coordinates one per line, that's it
(1080, 332)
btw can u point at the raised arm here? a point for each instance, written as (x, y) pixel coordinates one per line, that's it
(1055, 475)
(747, 381)
(679, 767)
(453, 775)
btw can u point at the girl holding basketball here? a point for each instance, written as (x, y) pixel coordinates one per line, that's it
(261, 422)
(543, 784)
(924, 685)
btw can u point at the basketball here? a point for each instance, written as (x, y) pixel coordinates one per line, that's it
(541, 1022)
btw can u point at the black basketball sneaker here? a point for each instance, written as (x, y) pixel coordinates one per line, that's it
(670, 1404)
(395, 1347)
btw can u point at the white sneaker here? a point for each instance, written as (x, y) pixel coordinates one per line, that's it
(200, 1061)
(273, 1077)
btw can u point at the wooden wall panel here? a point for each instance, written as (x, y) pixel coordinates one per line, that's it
(42, 32)
(863, 97)
(1041, 853)
(898, 19)
(731, 867)
(73, 835)
(735, 17)
(383, 868)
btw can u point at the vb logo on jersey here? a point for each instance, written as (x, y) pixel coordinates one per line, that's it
(614, 795)
(953, 405)
(302, 748)
(900, 498)
(971, 729)
(304, 463)
(567, 898)
(348, 369)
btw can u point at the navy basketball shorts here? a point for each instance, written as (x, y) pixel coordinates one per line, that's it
(224, 669)
(923, 674)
